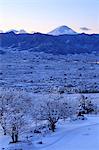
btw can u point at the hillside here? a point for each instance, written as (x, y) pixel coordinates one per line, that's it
(63, 44)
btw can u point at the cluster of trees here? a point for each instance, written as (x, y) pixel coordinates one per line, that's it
(86, 106)
(17, 110)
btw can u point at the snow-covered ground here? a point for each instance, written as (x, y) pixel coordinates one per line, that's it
(69, 135)
(78, 136)
(46, 77)
(41, 72)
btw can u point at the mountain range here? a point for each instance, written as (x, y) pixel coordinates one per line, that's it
(60, 44)
(61, 30)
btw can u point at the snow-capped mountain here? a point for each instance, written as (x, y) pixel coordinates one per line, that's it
(21, 31)
(12, 30)
(62, 30)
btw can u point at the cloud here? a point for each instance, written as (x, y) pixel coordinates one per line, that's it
(85, 29)
(1, 31)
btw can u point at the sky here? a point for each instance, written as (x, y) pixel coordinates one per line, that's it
(45, 15)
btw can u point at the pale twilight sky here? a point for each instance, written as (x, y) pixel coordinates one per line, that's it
(45, 15)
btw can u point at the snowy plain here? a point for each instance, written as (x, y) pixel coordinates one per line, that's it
(42, 73)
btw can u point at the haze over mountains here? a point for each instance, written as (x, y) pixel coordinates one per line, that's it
(67, 41)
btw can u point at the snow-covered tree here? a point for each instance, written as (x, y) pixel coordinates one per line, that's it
(86, 106)
(14, 108)
(54, 109)
(90, 106)
(50, 112)
(4, 101)
(67, 109)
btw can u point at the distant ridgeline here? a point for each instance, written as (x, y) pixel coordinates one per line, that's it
(63, 44)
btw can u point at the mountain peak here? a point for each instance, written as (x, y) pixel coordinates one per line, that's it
(21, 31)
(61, 30)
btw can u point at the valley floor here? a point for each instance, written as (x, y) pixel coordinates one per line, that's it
(69, 135)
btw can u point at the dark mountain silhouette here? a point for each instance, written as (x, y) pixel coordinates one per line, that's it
(63, 44)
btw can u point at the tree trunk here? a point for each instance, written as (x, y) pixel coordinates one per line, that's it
(14, 138)
(52, 125)
(4, 130)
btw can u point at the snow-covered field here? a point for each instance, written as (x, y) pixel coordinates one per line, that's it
(69, 135)
(40, 72)
(48, 77)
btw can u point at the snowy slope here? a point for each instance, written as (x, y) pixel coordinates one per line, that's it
(62, 30)
(77, 135)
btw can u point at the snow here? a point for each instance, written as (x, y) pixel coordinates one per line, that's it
(40, 72)
(70, 135)
(62, 30)
(78, 137)
(4, 141)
